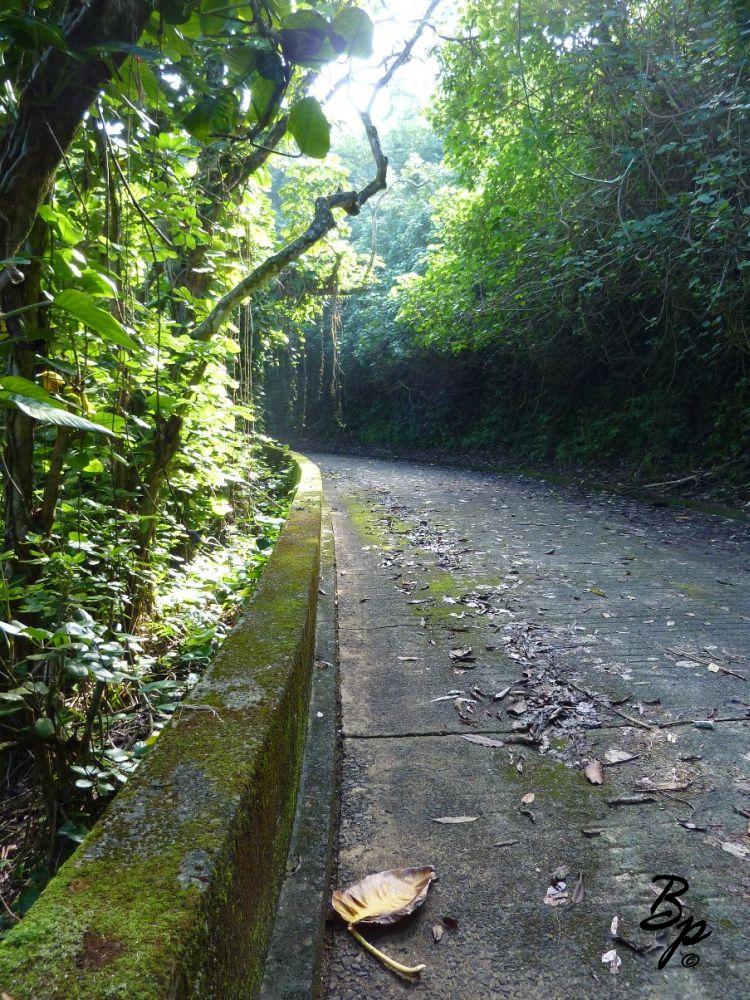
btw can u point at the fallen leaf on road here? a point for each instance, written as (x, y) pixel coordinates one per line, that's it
(598, 592)
(579, 893)
(594, 772)
(505, 843)
(556, 895)
(517, 707)
(501, 694)
(437, 932)
(614, 925)
(454, 819)
(528, 798)
(631, 800)
(407, 659)
(384, 898)
(484, 741)
(613, 960)
(612, 757)
(737, 850)
(465, 655)
(450, 923)
(647, 785)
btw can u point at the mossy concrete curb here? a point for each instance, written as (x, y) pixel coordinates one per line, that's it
(174, 891)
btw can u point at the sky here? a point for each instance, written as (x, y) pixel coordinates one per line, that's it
(395, 22)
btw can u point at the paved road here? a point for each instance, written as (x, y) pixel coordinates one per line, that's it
(600, 628)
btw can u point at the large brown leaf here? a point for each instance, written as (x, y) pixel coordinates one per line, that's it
(385, 897)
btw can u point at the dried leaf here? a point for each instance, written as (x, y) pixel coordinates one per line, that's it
(528, 798)
(737, 850)
(454, 819)
(407, 659)
(613, 960)
(483, 741)
(631, 800)
(647, 785)
(517, 707)
(579, 893)
(594, 772)
(385, 897)
(437, 933)
(462, 655)
(556, 895)
(692, 826)
(612, 757)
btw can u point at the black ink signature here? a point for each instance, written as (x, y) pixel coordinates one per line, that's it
(667, 912)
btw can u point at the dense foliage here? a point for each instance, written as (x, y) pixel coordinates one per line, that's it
(586, 294)
(139, 230)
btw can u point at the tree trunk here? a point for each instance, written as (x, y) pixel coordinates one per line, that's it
(52, 106)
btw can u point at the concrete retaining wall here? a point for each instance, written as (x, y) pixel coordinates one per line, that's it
(173, 892)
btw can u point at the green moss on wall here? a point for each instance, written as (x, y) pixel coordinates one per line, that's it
(173, 893)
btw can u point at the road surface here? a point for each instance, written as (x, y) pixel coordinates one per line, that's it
(576, 631)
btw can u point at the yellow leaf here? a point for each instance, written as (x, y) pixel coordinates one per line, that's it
(385, 897)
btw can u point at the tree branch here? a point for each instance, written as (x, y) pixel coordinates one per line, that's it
(322, 223)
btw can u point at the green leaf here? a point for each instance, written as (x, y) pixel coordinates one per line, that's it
(262, 92)
(47, 414)
(80, 305)
(310, 128)
(15, 385)
(355, 27)
(242, 59)
(44, 728)
(305, 38)
(95, 467)
(212, 116)
(69, 232)
(29, 32)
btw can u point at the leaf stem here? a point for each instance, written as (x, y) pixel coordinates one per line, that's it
(390, 963)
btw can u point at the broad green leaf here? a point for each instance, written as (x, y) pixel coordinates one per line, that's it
(213, 116)
(47, 414)
(262, 92)
(305, 38)
(29, 32)
(242, 59)
(355, 27)
(70, 233)
(80, 305)
(14, 384)
(44, 728)
(95, 467)
(310, 128)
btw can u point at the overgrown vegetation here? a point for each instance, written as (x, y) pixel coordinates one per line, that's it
(580, 293)
(139, 232)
